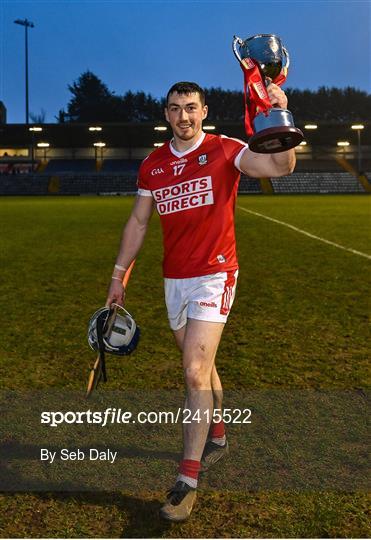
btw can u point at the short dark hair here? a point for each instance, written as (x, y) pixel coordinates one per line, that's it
(186, 87)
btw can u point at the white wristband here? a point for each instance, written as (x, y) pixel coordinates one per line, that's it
(120, 268)
(118, 279)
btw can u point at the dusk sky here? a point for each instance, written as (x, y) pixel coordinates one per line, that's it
(149, 45)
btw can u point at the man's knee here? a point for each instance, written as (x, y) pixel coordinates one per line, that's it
(197, 378)
(197, 365)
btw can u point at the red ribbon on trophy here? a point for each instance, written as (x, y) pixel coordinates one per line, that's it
(263, 60)
(255, 92)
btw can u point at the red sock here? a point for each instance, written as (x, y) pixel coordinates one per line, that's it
(217, 430)
(190, 468)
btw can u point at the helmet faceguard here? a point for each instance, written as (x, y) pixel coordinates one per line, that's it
(113, 330)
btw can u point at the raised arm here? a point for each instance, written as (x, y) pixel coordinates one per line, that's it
(131, 241)
(270, 165)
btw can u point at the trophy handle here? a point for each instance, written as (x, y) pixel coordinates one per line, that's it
(286, 61)
(239, 41)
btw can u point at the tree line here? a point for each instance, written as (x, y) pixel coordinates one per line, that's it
(92, 101)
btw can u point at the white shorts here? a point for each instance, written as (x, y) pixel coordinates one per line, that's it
(206, 298)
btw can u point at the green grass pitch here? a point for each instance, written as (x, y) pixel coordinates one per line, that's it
(300, 320)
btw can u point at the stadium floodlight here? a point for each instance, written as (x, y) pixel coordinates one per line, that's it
(27, 24)
(160, 128)
(45, 146)
(101, 145)
(208, 128)
(158, 144)
(310, 126)
(33, 129)
(343, 143)
(359, 127)
(303, 143)
(95, 128)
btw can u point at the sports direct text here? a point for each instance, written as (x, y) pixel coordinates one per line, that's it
(119, 416)
(185, 195)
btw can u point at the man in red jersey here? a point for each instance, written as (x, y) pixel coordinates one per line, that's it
(192, 181)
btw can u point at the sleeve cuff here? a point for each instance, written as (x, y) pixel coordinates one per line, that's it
(144, 192)
(237, 159)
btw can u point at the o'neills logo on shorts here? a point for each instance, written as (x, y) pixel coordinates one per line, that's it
(184, 196)
(208, 304)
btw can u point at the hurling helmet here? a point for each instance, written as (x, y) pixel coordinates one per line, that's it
(113, 330)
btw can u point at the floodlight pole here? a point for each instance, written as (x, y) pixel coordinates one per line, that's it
(27, 24)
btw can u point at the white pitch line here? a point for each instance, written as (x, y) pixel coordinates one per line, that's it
(354, 251)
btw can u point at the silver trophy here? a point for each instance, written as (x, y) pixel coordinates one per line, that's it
(271, 129)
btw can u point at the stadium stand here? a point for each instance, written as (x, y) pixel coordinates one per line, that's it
(68, 184)
(17, 168)
(99, 183)
(70, 165)
(320, 165)
(249, 185)
(5, 168)
(317, 183)
(121, 165)
(24, 185)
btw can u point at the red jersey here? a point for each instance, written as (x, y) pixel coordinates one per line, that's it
(195, 194)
